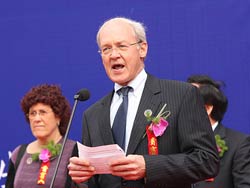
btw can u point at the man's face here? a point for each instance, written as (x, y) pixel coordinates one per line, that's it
(121, 66)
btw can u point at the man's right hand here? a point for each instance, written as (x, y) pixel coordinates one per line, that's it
(80, 170)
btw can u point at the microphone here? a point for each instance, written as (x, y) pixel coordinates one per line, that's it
(81, 95)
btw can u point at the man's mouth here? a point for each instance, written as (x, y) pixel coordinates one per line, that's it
(117, 66)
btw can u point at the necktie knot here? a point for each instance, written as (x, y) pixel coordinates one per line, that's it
(124, 91)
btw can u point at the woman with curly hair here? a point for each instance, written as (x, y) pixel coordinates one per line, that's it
(47, 112)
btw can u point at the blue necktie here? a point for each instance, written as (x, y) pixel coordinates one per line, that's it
(119, 124)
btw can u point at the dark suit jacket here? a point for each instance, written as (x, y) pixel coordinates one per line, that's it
(187, 149)
(234, 164)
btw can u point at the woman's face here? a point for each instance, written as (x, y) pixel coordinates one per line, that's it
(44, 123)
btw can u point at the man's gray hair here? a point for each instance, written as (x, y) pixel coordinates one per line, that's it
(139, 28)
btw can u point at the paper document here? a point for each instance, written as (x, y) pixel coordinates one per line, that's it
(100, 156)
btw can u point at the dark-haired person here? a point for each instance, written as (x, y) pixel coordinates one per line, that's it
(235, 153)
(32, 165)
(167, 153)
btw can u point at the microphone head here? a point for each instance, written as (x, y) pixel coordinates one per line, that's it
(82, 95)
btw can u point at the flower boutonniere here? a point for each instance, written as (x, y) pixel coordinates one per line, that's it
(221, 145)
(156, 128)
(49, 151)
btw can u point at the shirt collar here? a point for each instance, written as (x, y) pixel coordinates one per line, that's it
(135, 83)
(215, 125)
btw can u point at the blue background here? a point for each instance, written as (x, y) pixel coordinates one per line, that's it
(54, 42)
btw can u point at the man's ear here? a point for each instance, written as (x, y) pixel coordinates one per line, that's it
(209, 109)
(143, 49)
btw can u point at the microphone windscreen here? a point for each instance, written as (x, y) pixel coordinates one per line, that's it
(82, 95)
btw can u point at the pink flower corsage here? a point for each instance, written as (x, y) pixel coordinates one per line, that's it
(45, 155)
(156, 128)
(50, 151)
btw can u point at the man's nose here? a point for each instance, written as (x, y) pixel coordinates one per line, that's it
(115, 52)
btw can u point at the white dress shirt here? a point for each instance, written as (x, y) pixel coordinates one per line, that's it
(134, 97)
(215, 125)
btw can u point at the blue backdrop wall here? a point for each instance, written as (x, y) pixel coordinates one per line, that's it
(54, 42)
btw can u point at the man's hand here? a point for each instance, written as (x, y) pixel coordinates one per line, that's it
(80, 169)
(131, 167)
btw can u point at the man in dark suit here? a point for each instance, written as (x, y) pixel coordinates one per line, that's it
(183, 153)
(235, 153)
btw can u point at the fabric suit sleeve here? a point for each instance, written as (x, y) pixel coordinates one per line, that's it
(196, 157)
(241, 165)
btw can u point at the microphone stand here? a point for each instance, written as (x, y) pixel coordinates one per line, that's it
(64, 141)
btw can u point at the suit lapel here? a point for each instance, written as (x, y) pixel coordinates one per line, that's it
(220, 130)
(149, 100)
(104, 120)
